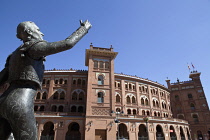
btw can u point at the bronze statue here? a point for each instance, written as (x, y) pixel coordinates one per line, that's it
(23, 71)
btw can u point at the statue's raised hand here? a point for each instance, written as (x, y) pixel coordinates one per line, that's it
(86, 24)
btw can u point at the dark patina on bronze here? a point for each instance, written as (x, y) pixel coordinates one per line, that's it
(23, 71)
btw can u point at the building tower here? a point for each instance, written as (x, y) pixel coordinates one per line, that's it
(100, 91)
(188, 102)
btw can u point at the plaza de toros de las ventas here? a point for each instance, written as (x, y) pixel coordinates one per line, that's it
(99, 104)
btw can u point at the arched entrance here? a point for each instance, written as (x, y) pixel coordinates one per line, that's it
(123, 132)
(200, 136)
(159, 133)
(48, 132)
(172, 133)
(182, 134)
(142, 135)
(73, 132)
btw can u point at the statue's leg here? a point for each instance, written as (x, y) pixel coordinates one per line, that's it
(5, 129)
(19, 110)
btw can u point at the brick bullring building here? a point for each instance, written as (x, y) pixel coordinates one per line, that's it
(188, 102)
(99, 104)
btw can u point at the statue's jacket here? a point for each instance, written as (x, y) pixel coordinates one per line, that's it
(23, 67)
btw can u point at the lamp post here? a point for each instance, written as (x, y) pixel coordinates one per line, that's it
(146, 119)
(117, 122)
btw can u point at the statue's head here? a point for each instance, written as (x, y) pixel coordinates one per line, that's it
(28, 30)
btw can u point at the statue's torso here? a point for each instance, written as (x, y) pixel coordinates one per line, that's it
(23, 67)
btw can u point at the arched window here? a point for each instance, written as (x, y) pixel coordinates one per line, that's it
(43, 82)
(55, 96)
(148, 113)
(80, 109)
(134, 87)
(106, 65)
(38, 95)
(74, 96)
(48, 82)
(143, 112)
(81, 96)
(100, 97)
(146, 101)
(128, 100)
(190, 96)
(73, 109)
(146, 89)
(126, 86)
(54, 108)
(95, 64)
(56, 81)
(117, 109)
(44, 96)
(142, 101)
(101, 64)
(65, 81)
(157, 104)
(35, 108)
(100, 80)
(130, 87)
(158, 114)
(192, 106)
(176, 97)
(60, 108)
(143, 88)
(83, 82)
(79, 81)
(155, 114)
(163, 105)
(154, 104)
(74, 82)
(129, 111)
(118, 98)
(62, 95)
(41, 108)
(134, 112)
(61, 81)
(133, 100)
(195, 117)
(118, 85)
(140, 88)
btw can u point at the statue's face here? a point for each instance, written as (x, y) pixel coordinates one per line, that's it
(36, 33)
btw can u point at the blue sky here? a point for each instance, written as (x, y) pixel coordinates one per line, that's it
(155, 38)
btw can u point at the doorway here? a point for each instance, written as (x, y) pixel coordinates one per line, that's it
(100, 134)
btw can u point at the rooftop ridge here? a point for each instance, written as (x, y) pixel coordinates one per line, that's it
(144, 79)
(65, 70)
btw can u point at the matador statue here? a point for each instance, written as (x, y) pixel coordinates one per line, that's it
(23, 71)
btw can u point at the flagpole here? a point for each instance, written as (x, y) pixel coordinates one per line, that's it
(188, 66)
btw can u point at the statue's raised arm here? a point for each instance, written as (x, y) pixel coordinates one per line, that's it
(39, 47)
